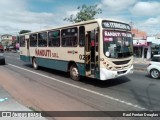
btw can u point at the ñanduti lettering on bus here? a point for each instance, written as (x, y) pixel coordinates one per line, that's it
(47, 53)
(43, 52)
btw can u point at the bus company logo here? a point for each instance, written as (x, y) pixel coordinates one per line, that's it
(73, 52)
(46, 53)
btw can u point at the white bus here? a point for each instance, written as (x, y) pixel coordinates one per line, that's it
(100, 48)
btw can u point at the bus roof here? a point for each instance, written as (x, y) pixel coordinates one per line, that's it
(75, 24)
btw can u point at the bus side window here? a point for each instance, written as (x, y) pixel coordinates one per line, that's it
(64, 38)
(69, 37)
(81, 36)
(42, 39)
(33, 40)
(22, 41)
(54, 38)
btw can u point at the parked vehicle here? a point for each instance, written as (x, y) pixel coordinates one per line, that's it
(2, 58)
(154, 67)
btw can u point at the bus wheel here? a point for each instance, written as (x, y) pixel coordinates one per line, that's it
(74, 73)
(34, 64)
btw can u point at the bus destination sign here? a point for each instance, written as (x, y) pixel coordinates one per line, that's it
(115, 25)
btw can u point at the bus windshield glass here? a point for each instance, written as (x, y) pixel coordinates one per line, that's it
(117, 44)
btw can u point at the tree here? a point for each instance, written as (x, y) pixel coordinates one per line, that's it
(85, 13)
(24, 31)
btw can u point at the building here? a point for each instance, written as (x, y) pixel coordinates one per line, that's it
(8, 41)
(141, 48)
(155, 44)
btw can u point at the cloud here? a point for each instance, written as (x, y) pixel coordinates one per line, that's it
(152, 21)
(10, 5)
(150, 25)
(144, 15)
(48, 1)
(72, 12)
(117, 9)
(117, 4)
(15, 16)
(146, 8)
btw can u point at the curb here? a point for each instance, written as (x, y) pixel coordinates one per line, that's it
(140, 69)
(141, 62)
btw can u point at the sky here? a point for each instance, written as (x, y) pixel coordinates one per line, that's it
(16, 15)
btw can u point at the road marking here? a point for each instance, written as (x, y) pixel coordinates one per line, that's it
(97, 93)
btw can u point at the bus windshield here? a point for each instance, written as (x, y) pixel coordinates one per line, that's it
(117, 44)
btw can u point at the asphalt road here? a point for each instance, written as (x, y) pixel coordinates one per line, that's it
(132, 92)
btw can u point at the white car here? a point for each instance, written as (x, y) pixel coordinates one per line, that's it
(154, 67)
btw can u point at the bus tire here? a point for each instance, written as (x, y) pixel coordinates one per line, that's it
(34, 64)
(74, 72)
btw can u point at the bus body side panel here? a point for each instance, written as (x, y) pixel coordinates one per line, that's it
(58, 65)
(25, 58)
(52, 63)
(81, 68)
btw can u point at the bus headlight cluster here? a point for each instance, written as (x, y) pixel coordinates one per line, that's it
(107, 66)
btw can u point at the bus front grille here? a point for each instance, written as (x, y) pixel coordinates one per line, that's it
(120, 62)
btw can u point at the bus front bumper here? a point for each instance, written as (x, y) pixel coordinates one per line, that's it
(108, 74)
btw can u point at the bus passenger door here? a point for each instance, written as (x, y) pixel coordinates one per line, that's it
(91, 53)
(88, 54)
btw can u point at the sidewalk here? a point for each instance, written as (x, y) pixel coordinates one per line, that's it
(141, 60)
(8, 104)
(140, 64)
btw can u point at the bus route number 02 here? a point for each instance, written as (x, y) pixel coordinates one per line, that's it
(82, 57)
